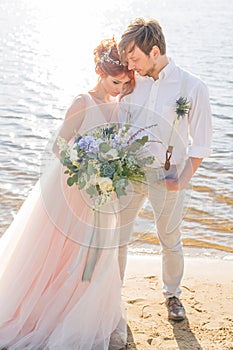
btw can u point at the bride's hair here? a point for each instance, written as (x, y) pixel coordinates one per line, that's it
(107, 62)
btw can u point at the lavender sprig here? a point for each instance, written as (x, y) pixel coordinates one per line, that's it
(139, 131)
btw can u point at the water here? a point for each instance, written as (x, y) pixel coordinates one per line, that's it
(46, 59)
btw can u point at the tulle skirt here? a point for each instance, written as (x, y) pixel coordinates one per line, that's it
(60, 286)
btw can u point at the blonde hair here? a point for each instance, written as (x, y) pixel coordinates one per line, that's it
(143, 33)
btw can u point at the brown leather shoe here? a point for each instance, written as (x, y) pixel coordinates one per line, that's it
(176, 311)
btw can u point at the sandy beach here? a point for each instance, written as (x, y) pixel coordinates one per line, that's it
(207, 294)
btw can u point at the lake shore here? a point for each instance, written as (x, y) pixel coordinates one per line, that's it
(207, 295)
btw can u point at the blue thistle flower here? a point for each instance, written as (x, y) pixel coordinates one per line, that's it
(182, 107)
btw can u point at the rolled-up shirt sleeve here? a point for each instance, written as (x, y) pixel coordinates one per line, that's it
(200, 122)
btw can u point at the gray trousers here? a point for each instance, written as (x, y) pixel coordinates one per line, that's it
(168, 213)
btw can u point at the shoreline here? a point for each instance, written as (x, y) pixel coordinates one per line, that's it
(207, 295)
(143, 248)
(198, 252)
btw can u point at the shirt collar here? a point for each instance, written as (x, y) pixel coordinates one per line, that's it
(166, 71)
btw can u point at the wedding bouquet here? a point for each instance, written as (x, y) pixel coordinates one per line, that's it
(103, 161)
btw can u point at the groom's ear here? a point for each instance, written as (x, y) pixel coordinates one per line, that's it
(155, 52)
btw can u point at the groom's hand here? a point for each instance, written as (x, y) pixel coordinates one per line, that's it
(174, 185)
(192, 164)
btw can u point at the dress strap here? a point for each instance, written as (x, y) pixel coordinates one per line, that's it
(89, 100)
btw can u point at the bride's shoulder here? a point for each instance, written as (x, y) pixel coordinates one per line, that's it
(80, 100)
(78, 104)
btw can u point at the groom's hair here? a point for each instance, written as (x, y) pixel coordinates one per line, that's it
(144, 34)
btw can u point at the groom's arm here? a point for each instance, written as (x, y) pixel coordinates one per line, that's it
(200, 132)
(181, 183)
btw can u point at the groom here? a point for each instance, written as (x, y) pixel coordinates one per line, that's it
(178, 102)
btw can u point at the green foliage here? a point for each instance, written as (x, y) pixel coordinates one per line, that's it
(105, 160)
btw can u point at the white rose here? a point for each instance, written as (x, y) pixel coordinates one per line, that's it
(73, 154)
(105, 184)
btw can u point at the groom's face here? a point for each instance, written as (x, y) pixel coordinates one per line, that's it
(140, 62)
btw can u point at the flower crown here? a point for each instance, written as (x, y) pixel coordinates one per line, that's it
(106, 58)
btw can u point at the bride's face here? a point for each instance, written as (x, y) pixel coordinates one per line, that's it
(116, 85)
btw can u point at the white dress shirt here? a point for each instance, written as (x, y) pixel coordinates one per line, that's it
(154, 102)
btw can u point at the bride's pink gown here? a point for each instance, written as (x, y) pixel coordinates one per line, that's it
(49, 299)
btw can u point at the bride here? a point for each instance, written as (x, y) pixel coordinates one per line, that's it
(59, 288)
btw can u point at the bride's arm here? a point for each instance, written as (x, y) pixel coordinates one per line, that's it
(72, 122)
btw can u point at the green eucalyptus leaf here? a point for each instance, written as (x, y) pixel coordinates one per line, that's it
(63, 154)
(81, 183)
(90, 169)
(92, 191)
(104, 147)
(70, 181)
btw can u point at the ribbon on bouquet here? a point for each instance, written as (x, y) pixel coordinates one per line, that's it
(103, 237)
(94, 250)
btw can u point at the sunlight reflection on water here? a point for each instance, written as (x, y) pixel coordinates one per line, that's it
(46, 59)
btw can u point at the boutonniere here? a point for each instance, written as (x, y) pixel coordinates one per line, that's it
(182, 107)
